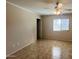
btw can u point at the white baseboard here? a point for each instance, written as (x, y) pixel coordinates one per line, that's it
(20, 48)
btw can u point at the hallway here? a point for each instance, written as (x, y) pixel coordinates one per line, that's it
(45, 49)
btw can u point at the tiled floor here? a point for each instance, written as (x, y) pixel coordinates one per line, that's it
(45, 49)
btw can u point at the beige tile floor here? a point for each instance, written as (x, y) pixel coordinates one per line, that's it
(45, 49)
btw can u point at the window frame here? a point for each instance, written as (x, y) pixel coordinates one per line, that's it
(61, 24)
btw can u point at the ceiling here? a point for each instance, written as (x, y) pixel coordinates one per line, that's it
(43, 7)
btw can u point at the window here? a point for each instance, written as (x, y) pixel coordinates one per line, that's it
(60, 24)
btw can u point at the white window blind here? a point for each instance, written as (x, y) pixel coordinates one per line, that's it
(60, 24)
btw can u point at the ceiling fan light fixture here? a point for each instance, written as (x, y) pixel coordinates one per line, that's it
(58, 8)
(57, 12)
(59, 5)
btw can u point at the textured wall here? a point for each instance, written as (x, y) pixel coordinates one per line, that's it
(20, 28)
(47, 28)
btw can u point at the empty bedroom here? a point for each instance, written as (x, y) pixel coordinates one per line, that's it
(38, 29)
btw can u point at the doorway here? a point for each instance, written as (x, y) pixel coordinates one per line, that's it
(38, 29)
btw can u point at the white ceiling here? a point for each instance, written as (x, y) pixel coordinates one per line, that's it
(42, 7)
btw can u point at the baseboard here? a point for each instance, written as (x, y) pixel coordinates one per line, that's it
(20, 48)
(56, 39)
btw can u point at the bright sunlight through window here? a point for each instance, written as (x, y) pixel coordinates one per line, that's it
(60, 24)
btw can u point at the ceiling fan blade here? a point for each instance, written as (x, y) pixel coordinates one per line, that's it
(67, 9)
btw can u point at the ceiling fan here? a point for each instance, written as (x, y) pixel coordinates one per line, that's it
(58, 7)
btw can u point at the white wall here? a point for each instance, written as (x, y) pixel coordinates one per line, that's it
(20, 28)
